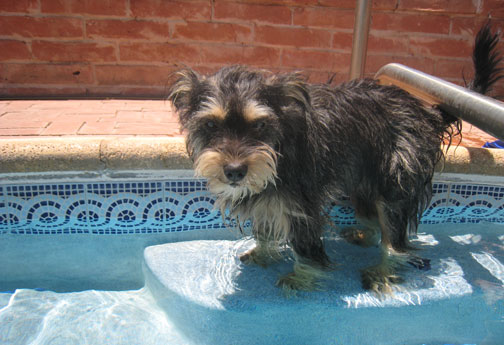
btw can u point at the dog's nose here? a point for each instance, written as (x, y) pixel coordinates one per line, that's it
(235, 172)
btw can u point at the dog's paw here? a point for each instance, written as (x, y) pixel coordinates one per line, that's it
(363, 238)
(291, 283)
(304, 278)
(256, 256)
(380, 281)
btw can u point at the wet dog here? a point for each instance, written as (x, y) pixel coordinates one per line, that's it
(276, 150)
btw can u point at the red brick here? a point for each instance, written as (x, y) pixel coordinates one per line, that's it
(252, 13)
(66, 126)
(438, 24)
(127, 29)
(385, 4)
(20, 131)
(387, 44)
(47, 74)
(467, 26)
(255, 56)
(320, 77)
(324, 17)
(97, 128)
(159, 52)
(28, 112)
(101, 7)
(350, 4)
(342, 40)
(169, 129)
(209, 58)
(450, 6)
(14, 50)
(120, 91)
(132, 75)
(73, 52)
(41, 27)
(3, 72)
(431, 46)
(450, 68)
(297, 37)
(9, 122)
(497, 90)
(277, 2)
(25, 6)
(375, 62)
(328, 61)
(493, 7)
(213, 32)
(43, 91)
(190, 10)
(342, 4)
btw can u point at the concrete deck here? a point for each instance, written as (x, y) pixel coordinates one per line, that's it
(55, 135)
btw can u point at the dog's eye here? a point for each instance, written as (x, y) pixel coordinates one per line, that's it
(211, 124)
(259, 124)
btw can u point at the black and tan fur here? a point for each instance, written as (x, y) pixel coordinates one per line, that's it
(275, 150)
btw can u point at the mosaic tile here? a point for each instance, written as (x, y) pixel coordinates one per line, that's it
(474, 203)
(4, 215)
(38, 209)
(109, 208)
(435, 214)
(342, 215)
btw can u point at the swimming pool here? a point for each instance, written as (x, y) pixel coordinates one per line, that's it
(74, 269)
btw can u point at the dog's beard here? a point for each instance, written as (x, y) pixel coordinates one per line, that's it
(261, 162)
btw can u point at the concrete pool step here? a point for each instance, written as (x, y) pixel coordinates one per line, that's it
(213, 298)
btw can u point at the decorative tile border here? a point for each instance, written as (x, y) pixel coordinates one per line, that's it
(184, 205)
(107, 208)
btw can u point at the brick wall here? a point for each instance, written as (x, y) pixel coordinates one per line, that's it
(130, 47)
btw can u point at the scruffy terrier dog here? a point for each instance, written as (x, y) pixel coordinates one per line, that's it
(275, 150)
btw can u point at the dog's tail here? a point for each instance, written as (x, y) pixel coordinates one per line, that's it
(487, 71)
(486, 60)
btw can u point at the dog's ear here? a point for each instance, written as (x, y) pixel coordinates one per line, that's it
(289, 88)
(184, 91)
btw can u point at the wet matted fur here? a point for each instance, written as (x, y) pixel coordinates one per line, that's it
(276, 149)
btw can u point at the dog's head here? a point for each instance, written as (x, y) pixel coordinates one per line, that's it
(236, 122)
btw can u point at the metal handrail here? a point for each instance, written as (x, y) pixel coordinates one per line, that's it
(483, 112)
(360, 38)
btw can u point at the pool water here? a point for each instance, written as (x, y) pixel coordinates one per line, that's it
(146, 260)
(90, 290)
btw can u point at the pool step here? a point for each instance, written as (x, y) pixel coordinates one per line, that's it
(214, 299)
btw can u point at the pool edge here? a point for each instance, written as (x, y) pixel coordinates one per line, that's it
(109, 153)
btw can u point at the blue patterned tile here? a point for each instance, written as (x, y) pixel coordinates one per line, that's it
(4, 214)
(38, 209)
(342, 215)
(435, 212)
(122, 208)
(474, 203)
(185, 205)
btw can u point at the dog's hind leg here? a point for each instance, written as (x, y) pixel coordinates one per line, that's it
(364, 236)
(367, 232)
(383, 277)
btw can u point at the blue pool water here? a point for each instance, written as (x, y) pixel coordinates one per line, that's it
(459, 301)
(73, 271)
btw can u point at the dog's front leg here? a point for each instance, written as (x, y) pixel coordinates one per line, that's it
(264, 253)
(311, 260)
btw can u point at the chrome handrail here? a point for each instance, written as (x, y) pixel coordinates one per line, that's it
(481, 111)
(360, 38)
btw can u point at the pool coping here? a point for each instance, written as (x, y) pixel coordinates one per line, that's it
(116, 153)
